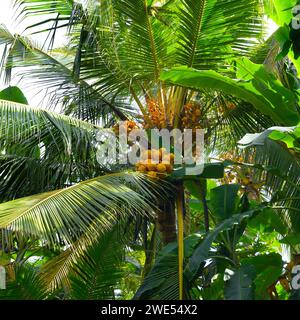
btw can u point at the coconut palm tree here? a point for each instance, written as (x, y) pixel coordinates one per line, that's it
(114, 68)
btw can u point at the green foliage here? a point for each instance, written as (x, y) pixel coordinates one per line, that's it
(286, 36)
(263, 91)
(162, 281)
(26, 285)
(93, 206)
(240, 285)
(96, 274)
(291, 139)
(208, 171)
(13, 94)
(224, 201)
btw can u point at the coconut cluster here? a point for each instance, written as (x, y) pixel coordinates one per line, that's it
(156, 115)
(191, 116)
(128, 125)
(227, 106)
(156, 163)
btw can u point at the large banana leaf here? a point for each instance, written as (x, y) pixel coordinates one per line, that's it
(263, 91)
(280, 11)
(240, 285)
(13, 94)
(224, 201)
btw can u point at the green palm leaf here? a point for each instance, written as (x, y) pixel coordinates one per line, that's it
(201, 24)
(43, 150)
(61, 216)
(56, 272)
(27, 285)
(53, 74)
(20, 122)
(99, 271)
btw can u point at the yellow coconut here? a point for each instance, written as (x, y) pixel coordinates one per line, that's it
(152, 174)
(142, 168)
(161, 167)
(151, 166)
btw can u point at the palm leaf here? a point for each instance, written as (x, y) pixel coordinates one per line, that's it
(99, 271)
(61, 216)
(42, 150)
(201, 23)
(278, 166)
(58, 12)
(52, 74)
(26, 285)
(19, 122)
(143, 26)
(281, 186)
(56, 272)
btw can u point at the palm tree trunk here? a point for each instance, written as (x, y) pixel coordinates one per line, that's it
(166, 220)
(150, 253)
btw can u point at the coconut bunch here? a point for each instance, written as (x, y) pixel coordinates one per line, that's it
(156, 163)
(128, 125)
(191, 116)
(242, 176)
(227, 106)
(156, 115)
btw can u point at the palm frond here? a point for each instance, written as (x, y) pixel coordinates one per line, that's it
(57, 12)
(43, 151)
(227, 126)
(99, 271)
(52, 74)
(278, 167)
(56, 272)
(201, 24)
(24, 285)
(143, 26)
(20, 122)
(61, 216)
(25, 173)
(285, 196)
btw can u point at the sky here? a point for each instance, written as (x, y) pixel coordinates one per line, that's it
(6, 15)
(9, 18)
